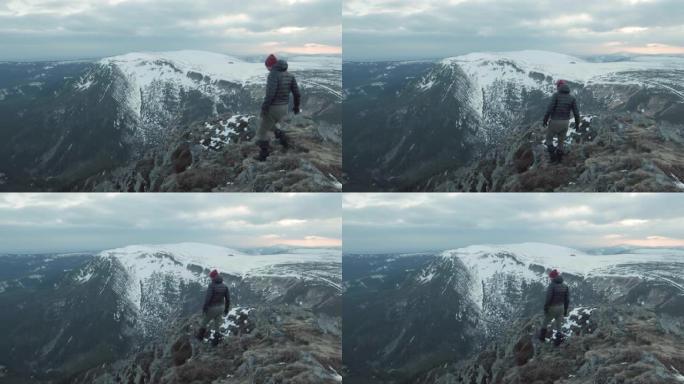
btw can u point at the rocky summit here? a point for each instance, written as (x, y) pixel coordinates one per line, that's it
(611, 344)
(628, 152)
(279, 344)
(219, 155)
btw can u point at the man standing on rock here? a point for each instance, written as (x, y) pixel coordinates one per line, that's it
(555, 306)
(558, 111)
(216, 302)
(279, 85)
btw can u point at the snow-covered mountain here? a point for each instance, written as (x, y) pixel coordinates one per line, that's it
(469, 108)
(151, 86)
(144, 267)
(529, 263)
(499, 82)
(445, 307)
(82, 119)
(115, 302)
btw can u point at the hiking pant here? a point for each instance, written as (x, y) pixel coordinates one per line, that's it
(557, 128)
(555, 314)
(212, 318)
(269, 120)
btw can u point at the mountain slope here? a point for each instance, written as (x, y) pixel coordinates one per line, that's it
(614, 343)
(118, 302)
(281, 343)
(618, 152)
(467, 298)
(486, 101)
(79, 121)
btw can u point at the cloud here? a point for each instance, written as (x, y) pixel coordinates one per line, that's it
(38, 29)
(387, 223)
(405, 29)
(290, 222)
(220, 213)
(632, 222)
(72, 222)
(655, 241)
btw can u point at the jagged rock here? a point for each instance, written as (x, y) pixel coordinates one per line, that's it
(615, 344)
(181, 158)
(617, 152)
(181, 350)
(523, 350)
(204, 158)
(279, 344)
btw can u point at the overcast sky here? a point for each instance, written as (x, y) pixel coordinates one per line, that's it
(410, 29)
(48, 29)
(418, 222)
(75, 222)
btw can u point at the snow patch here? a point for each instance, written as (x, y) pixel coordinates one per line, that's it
(576, 318)
(219, 133)
(678, 183)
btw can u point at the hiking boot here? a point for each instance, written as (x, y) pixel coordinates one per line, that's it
(264, 150)
(217, 339)
(559, 156)
(542, 335)
(200, 333)
(282, 138)
(558, 339)
(552, 153)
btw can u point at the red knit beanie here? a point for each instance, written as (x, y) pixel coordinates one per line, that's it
(553, 274)
(559, 83)
(213, 274)
(271, 60)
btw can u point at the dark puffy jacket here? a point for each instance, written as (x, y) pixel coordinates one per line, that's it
(279, 85)
(562, 103)
(557, 293)
(217, 294)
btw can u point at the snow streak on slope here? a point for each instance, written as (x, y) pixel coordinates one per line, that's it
(485, 261)
(182, 261)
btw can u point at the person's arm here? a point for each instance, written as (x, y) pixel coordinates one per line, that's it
(227, 298)
(549, 297)
(271, 89)
(567, 301)
(294, 88)
(575, 111)
(207, 298)
(550, 107)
